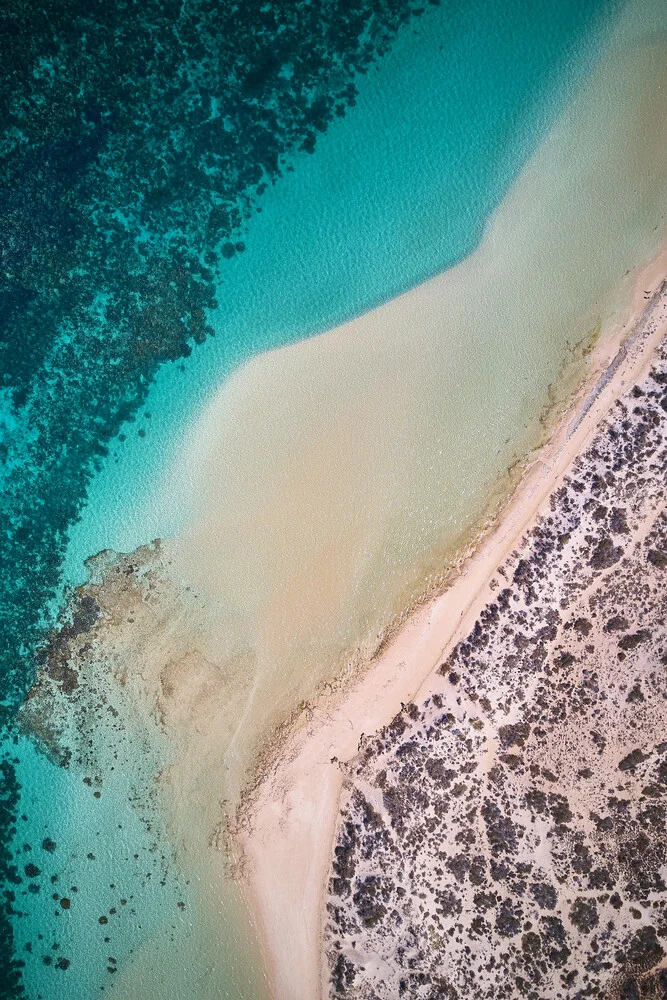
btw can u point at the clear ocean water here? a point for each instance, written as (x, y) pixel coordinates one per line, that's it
(329, 212)
(397, 191)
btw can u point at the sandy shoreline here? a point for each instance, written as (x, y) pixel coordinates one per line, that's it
(286, 833)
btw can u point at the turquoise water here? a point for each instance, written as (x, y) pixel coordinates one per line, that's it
(105, 863)
(397, 190)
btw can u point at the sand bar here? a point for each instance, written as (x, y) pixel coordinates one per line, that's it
(334, 480)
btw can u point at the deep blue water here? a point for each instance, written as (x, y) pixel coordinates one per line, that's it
(170, 172)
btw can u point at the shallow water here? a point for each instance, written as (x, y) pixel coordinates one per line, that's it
(396, 191)
(339, 476)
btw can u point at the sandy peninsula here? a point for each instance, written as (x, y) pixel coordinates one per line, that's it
(287, 826)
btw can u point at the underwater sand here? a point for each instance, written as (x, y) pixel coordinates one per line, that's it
(337, 477)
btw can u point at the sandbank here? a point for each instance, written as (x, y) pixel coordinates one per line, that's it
(335, 480)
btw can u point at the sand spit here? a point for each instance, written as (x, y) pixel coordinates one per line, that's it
(286, 830)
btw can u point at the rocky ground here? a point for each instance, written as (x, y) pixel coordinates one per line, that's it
(507, 837)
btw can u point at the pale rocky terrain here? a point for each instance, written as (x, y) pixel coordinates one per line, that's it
(507, 836)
